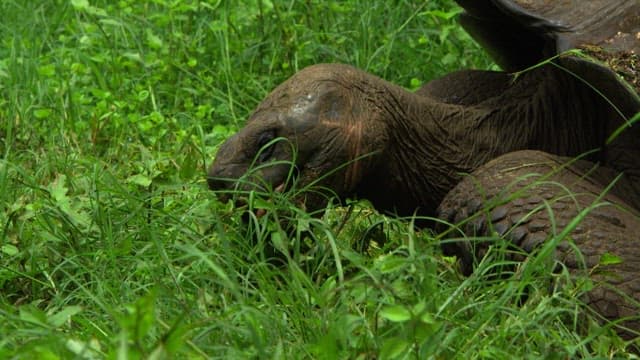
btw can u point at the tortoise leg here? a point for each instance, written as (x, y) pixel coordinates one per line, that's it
(528, 197)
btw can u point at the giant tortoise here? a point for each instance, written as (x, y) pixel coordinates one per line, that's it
(546, 147)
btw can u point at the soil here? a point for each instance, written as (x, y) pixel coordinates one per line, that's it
(624, 63)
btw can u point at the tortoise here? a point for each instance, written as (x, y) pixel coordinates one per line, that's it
(520, 152)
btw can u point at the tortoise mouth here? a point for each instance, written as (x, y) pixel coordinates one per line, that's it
(257, 197)
(260, 212)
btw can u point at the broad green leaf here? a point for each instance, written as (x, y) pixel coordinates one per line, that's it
(74, 211)
(58, 319)
(390, 263)
(80, 4)
(260, 203)
(276, 240)
(47, 70)
(139, 179)
(395, 313)
(9, 249)
(427, 318)
(153, 40)
(85, 350)
(415, 83)
(42, 113)
(33, 315)
(609, 259)
(304, 224)
(58, 191)
(394, 347)
(140, 317)
(143, 95)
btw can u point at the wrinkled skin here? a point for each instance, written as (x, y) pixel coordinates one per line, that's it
(365, 137)
(350, 134)
(325, 127)
(527, 197)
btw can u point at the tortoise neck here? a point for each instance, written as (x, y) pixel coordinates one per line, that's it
(433, 138)
(416, 166)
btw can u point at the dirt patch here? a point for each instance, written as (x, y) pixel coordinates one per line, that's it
(624, 63)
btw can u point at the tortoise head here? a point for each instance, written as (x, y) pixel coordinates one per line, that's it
(318, 126)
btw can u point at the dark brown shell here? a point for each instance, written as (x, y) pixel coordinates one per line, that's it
(520, 33)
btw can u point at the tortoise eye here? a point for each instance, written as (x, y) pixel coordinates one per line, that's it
(265, 152)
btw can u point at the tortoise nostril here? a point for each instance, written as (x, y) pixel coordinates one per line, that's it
(218, 186)
(221, 181)
(221, 188)
(215, 183)
(218, 177)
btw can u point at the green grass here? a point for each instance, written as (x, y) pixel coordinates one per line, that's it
(113, 247)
